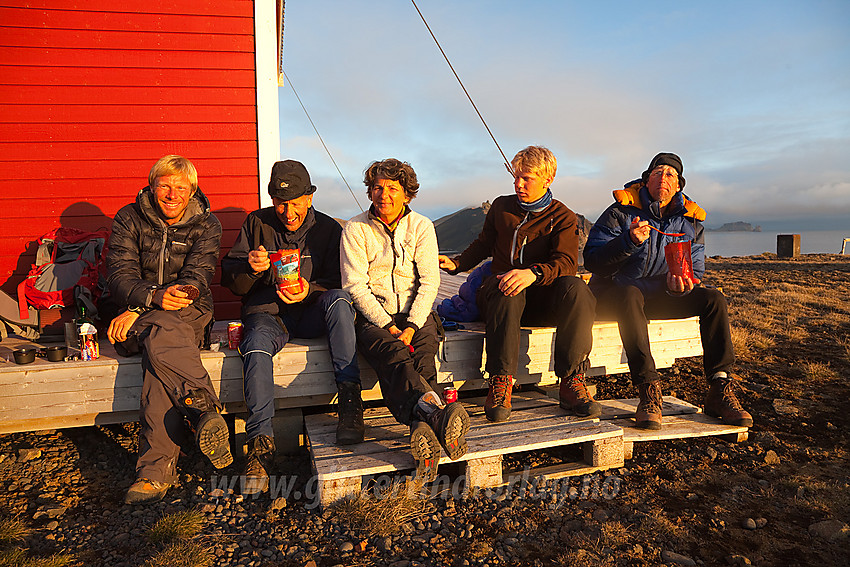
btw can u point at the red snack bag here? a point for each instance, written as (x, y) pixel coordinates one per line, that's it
(286, 266)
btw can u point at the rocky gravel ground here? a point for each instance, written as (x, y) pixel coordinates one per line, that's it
(781, 498)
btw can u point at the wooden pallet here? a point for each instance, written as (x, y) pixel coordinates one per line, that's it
(681, 420)
(536, 423)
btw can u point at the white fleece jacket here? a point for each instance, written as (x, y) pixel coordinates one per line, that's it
(388, 273)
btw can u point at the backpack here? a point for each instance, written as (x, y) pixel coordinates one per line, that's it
(70, 264)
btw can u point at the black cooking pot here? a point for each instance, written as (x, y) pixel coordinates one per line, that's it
(56, 353)
(24, 355)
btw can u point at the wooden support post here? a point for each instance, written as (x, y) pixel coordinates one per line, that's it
(604, 453)
(739, 437)
(240, 442)
(331, 491)
(484, 473)
(628, 449)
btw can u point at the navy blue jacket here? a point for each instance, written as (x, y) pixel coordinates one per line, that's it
(611, 255)
(318, 241)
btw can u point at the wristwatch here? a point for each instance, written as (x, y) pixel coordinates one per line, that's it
(137, 310)
(537, 271)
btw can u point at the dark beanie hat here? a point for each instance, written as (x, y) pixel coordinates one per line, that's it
(672, 160)
(290, 180)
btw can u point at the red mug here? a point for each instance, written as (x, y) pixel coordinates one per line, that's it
(678, 256)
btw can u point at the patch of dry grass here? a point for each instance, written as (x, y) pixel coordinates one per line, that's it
(845, 344)
(12, 530)
(816, 370)
(741, 339)
(578, 558)
(177, 526)
(656, 523)
(183, 554)
(613, 534)
(384, 514)
(18, 558)
(14, 557)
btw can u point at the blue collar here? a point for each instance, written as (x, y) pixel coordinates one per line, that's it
(538, 205)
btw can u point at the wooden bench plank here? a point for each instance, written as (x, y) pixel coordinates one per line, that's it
(31, 394)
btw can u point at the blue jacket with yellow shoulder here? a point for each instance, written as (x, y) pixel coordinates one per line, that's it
(611, 255)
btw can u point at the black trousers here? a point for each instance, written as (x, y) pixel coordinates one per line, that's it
(404, 376)
(171, 361)
(631, 308)
(567, 304)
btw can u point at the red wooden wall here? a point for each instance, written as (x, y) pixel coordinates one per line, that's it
(93, 92)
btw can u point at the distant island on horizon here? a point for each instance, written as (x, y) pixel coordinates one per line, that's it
(738, 226)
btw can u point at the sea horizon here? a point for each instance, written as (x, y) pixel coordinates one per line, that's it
(729, 244)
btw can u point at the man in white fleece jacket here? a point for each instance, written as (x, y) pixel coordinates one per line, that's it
(389, 267)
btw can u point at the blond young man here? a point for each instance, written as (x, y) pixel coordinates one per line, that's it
(163, 252)
(533, 239)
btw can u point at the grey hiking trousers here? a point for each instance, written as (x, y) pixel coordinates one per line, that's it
(171, 362)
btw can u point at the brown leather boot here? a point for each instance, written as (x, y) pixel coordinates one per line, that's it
(146, 491)
(575, 398)
(425, 448)
(255, 477)
(722, 402)
(350, 428)
(648, 414)
(497, 406)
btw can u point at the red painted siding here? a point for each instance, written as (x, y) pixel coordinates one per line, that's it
(92, 93)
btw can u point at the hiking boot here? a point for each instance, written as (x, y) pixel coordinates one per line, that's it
(210, 429)
(450, 424)
(145, 491)
(350, 428)
(648, 414)
(497, 406)
(255, 477)
(722, 402)
(575, 398)
(425, 448)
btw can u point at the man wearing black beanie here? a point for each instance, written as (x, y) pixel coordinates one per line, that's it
(272, 315)
(625, 251)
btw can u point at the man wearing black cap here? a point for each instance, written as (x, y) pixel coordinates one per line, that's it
(271, 316)
(632, 283)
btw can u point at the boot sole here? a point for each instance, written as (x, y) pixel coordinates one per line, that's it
(425, 449)
(743, 422)
(590, 410)
(498, 414)
(349, 436)
(454, 431)
(653, 425)
(213, 439)
(144, 497)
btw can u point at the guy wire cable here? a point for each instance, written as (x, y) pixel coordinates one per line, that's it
(507, 163)
(291, 86)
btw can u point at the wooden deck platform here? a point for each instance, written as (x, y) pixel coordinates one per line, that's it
(536, 423)
(50, 395)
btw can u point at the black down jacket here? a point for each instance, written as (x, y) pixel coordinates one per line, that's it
(145, 254)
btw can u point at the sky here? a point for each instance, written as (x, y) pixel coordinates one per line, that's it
(753, 95)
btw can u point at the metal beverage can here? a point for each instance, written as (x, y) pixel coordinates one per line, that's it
(87, 340)
(234, 334)
(449, 394)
